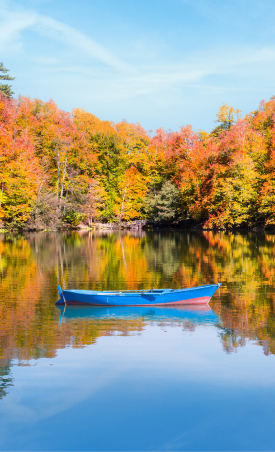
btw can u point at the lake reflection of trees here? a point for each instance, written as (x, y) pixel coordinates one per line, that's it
(32, 265)
(5, 378)
(255, 322)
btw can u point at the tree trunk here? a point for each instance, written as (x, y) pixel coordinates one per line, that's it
(63, 180)
(122, 206)
(57, 183)
(66, 197)
(2, 188)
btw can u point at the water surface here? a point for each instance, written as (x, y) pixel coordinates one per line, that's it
(137, 378)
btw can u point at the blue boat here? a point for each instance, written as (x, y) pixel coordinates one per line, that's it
(153, 297)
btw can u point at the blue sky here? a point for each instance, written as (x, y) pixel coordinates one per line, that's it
(163, 63)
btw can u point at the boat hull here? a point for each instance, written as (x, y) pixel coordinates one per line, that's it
(167, 297)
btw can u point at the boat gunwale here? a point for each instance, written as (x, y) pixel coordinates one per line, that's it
(139, 291)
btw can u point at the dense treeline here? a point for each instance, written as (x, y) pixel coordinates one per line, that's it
(58, 168)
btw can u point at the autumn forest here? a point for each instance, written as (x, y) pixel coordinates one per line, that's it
(59, 169)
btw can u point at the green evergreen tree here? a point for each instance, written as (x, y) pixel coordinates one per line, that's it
(5, 89)
(164, 206)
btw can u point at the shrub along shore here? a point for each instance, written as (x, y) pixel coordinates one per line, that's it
(65, 170)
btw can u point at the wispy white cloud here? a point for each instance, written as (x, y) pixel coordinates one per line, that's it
(236, 62)
(79, 41)
(11, 25)
(14, 23)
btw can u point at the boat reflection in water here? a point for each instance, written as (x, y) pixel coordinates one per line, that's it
(196, 314)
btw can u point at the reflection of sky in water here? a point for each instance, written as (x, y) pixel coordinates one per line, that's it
(163, 389)
(137, 378)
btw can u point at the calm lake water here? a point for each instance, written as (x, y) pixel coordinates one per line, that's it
(137, 378)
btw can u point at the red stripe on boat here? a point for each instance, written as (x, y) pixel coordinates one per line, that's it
(200, 300)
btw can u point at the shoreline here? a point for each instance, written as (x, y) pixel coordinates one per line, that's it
(145, 225)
